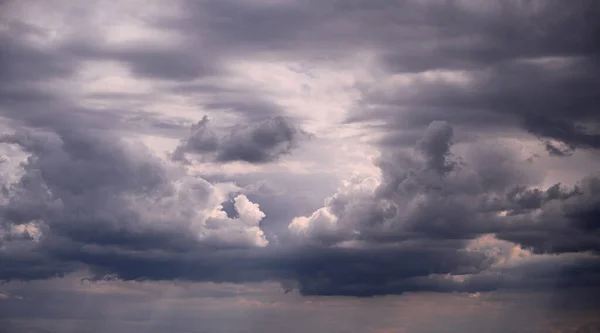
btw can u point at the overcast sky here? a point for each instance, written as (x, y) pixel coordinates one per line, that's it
(378, 166)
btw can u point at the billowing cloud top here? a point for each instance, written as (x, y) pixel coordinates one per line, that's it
(463, 136)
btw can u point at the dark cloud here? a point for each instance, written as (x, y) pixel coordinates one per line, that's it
(23, 66)
(22, 62)
(238, 29)
(26, 97)
(487, 67)
(430, 197)
(89, 200)
(201, 140)
(439, 237)
(435, 146)
(556, 150)
(557, 220)
(318, 271)
(262, 142)
(148, 60)
(435, 221)
(427, 192)
(499, 66)
(94, 201)
(27, 68)
(81, 189)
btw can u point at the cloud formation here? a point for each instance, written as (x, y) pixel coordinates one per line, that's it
(261, 142)
(82, 189)
(471, 129)
(429, 200)
(85, 200)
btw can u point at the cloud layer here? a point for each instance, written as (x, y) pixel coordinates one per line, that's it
(200, 142)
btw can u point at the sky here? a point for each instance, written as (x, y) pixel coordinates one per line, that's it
(377, 166)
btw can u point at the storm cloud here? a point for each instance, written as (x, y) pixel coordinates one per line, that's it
(199, 142)
(92, 201)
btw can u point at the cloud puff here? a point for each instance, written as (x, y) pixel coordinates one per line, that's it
(262, 142)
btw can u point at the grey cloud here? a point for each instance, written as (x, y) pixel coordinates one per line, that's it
(503, 96)
(23, 66)
(28, 66)
(24, 261)
(241, 29)
(202, 139)
(555, 150)
(415, 206)
(467, 35)
(245, 103)
(519, 65)
(81, 189)
(166, 65)
(515, 55)
(468, 201)
(435, 146)
(475, 36)
(249, 102)
(26, 97)
(117, 211)
(154, 124)
(262, 142)
(22, 62)
(559, 220)
(123, 213)
(148, 60)
(319, 271)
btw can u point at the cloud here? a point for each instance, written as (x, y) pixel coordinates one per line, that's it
(23, 62)
(148, 59)
(561, 219)
(454, 208)
(201, 139)
(428, 199)
(87, 200)
(86, 189)
(488, 68)
(435, 146)
(262, 142)
(422, 193)
(556, 150)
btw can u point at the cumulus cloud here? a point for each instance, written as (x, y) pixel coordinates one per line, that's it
(428, 200)
(421, 193)
(83, 188)
(435, 221)
(262, 142)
